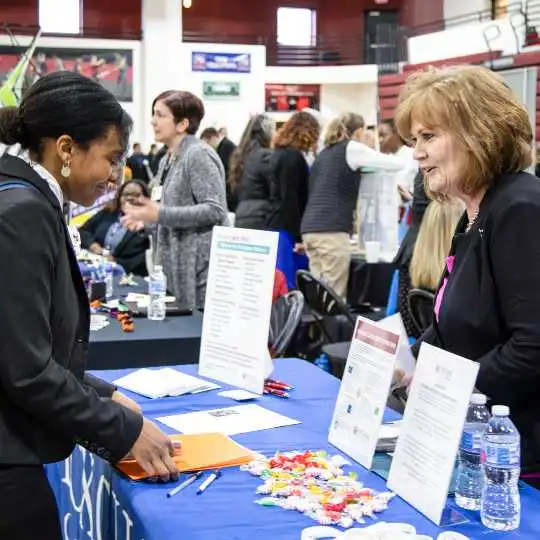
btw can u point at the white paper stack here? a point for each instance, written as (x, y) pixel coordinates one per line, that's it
(156, 383)
(143, 300)
(229, 420)
(97, 322)
(388, 436)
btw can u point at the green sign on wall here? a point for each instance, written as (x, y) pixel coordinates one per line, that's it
(221, 89)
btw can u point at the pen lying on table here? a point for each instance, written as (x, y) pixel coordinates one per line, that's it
(185, 483)
(277, 388)
(214, 476)
(279, 384)
(276, 392)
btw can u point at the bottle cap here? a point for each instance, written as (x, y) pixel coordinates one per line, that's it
(500, 410)
(478, 399)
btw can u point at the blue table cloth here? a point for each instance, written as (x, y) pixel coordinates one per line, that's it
(97, 503)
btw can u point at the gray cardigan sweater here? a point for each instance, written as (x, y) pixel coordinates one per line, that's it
(192, 202)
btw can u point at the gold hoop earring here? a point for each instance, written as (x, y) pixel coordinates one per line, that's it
(66, 170)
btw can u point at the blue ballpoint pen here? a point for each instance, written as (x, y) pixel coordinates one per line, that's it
(214, 476)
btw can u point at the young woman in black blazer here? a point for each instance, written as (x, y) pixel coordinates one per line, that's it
(105, 230)
(473, 140)
(74, 134)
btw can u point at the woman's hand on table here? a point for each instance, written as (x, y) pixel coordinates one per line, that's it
(95, 248)
(126, 402)
(154, 451)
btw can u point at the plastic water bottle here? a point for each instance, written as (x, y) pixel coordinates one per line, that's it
(157, 289)
(108, 275)
(469, 477)
(501, 508)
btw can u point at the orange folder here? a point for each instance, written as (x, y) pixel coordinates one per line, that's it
(199, 451)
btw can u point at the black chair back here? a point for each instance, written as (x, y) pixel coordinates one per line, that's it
(324, 303)
(420, 303)
(284, 320)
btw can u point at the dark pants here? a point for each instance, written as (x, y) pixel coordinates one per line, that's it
(29, 509)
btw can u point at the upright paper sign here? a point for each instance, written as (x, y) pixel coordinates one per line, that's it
(364, 390)
(431, 430)
(404, 360)
(234, 343)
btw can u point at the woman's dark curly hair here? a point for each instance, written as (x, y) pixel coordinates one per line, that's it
(301, 131)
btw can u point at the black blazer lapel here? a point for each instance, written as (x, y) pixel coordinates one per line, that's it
(77, 278)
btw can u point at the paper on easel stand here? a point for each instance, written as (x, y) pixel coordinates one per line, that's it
(234, 342)
(404, 360)
(431, 430)
(365, 385)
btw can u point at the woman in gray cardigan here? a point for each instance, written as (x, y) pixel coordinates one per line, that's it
(187, 200)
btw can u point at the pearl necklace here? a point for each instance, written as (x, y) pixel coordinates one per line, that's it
(472, 221)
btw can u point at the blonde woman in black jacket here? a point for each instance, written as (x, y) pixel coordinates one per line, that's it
(473, 141)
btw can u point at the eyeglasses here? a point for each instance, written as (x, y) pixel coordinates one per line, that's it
(131, 195)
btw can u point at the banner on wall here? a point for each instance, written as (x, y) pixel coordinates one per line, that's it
(221, 90)
(80, 214)
(221, 62)
(292, 97)
(112, 68)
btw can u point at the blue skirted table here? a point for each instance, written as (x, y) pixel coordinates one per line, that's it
(97, 503)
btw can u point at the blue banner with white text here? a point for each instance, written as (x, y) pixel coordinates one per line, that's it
(221, 62)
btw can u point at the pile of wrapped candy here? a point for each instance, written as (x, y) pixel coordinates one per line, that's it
(315, 484)
(122, 316)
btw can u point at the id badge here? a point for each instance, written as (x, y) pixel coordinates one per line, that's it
(156, 193)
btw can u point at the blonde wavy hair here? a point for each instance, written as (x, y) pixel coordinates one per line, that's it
(476, 106)
(433, 243)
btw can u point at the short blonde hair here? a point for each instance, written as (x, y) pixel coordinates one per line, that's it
(433, 243)
(343, 128)
(335, 132)
(480, 110)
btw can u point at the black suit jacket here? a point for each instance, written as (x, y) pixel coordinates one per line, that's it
(289, 190)
(46, 401)
(225, 150)
(253, 192)
(490, 312)
(130, 253)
